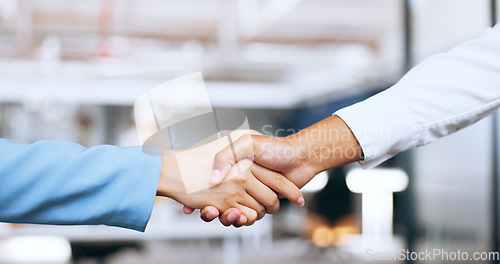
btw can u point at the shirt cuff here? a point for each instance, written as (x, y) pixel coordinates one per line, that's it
(383, 127)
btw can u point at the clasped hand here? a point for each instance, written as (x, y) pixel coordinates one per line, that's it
(247, 192)
(274, 165)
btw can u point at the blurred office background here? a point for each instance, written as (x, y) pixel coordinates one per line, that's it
(72, 70)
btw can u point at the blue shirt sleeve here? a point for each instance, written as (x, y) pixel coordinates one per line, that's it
(63, 183)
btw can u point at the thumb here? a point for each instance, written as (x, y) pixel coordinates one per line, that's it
(224, 160)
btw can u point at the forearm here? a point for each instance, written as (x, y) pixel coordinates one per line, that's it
(63, 183)
(327, 144)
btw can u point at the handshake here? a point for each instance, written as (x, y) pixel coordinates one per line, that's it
(242, 180)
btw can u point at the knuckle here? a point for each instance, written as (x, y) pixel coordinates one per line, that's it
(222, 158)
(233, 195)
(274, 207)
(277, 208)
(275, 200)
(279, 183)
(219, 157)
(229, 196)
(246, 141)
(271, 202)
(261, 215)
(251, 218)
(241, 180)
(261, 211)
(246, 137)
(251, 221)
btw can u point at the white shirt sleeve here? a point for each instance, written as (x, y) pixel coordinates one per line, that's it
(441, 95)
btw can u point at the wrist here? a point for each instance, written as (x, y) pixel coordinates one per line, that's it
(326, 145)
(170, 182)
(306, 156)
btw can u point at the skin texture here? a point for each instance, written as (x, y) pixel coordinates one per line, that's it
(299, 157)
(246, 194)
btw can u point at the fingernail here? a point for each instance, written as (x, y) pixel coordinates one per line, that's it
(301, 201)
(233, 216)
(211, 214)
(187, 210)
(243, 220)
(216, 177)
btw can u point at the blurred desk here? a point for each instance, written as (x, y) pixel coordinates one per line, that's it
(190, 229)
(165, 224)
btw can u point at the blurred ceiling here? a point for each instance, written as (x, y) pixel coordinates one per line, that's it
(310, 45)
(223, 21)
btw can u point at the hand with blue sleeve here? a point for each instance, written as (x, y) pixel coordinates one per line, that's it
(64, 183)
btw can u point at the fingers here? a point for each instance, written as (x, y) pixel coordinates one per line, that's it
(239, 216)
(230, 216)
(226, 158)
(225, 220)
(242, 221)
(209, 213)
(253, 209)
(265, 196)
(278, 183)
(250, 214)
(187, 210)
